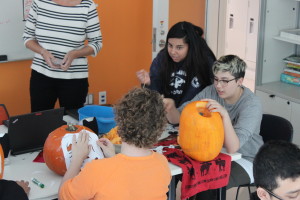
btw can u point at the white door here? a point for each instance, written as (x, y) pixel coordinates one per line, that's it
(160, 25)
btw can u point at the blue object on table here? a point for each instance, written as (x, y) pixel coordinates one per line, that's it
(104, 115)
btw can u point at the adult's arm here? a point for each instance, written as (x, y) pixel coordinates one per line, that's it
(29, 36)
(34, 46)
(94, 38)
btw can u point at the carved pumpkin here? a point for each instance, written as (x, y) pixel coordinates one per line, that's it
(201, 132)
(1, 162)
(53, 153)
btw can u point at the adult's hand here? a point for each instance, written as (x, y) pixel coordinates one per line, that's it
(25, 185)
(68, 59)
(107, 147)
(143, 77)
(48, 57)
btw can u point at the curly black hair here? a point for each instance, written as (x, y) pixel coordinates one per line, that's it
(141, 117)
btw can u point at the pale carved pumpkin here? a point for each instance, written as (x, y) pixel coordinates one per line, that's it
(53, 153)
(201, 132)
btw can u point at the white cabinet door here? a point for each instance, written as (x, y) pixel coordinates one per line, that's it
(275, 105)
(252, 30)
(295, 119)
(236, 27)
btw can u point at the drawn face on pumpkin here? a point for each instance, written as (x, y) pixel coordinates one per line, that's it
(94, 154)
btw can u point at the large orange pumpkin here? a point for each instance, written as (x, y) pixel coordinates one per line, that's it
(53, 153)
(201, 132)
(1, 162)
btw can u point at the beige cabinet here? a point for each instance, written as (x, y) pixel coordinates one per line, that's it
(275, 105)
(277, 97)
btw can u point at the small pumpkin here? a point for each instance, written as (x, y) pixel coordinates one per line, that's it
(53, 153)
(201, 132)
(1, 162)
(113, 136)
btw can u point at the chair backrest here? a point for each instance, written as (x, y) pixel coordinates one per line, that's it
(3, 113)
(276, 128)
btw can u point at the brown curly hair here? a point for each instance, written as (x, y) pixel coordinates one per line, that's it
(141, 117)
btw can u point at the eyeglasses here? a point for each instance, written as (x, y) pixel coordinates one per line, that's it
(223, 83)
(272, 194)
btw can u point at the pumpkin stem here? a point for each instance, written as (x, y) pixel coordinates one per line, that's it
(71, 128)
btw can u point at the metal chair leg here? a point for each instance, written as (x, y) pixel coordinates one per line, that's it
(237, 193)
(249, 191)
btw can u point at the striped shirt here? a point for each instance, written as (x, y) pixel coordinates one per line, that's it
(60, 29)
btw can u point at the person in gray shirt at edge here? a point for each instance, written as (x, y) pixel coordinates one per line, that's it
(241, 112)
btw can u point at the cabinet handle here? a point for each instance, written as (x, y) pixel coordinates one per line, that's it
(288, 103)
(272, 95)
(231, 19)
(251, 25)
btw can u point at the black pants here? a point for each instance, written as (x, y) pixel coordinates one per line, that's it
(44, 92)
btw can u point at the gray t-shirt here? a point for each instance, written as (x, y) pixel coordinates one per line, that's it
(245, 115)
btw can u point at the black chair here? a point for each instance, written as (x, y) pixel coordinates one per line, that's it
(272, 128)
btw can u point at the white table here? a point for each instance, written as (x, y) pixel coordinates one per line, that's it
(22, 167)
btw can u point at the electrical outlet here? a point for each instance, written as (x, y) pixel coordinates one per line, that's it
(102, 97)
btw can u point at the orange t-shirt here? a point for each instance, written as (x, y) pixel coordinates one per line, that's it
(120, 177)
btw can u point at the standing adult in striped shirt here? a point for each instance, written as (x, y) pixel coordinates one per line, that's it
(56, 30)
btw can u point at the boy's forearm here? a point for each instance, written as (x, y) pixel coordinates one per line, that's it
(72, 171)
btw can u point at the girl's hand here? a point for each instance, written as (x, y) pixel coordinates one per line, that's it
(143, 77)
